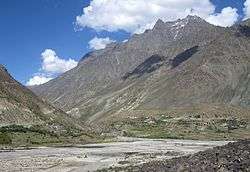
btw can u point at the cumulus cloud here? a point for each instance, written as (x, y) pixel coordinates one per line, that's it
(227, 17)
(38, 80)
(138, 15)
(99, 43)
(247, 9)
(50, 67)
(54, 64)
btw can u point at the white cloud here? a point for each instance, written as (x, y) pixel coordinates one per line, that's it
(51, 66)
(138, 15)
(247, 9)
(227, 17)
(38, 80)
(54, 64)
(99, 43)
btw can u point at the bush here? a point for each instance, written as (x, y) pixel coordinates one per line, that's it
(13, 128)
(22, 129)
(5, 138)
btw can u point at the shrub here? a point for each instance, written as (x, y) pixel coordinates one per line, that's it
(13, 128)
(5, 138)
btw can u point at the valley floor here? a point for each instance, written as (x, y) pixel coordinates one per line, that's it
(235, 156)
(91, 157)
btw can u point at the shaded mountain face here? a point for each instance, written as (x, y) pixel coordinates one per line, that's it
(176, 64)
(19, 106)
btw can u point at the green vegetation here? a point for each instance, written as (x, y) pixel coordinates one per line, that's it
(18, 135)
(5, 138)
(187, 126)
(22, 129)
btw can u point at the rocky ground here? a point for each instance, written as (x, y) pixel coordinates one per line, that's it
(125, 152)
(233, 157)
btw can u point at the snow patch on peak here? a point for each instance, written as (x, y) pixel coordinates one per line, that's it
(179, 25)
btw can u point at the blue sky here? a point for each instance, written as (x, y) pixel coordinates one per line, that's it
(29, 27)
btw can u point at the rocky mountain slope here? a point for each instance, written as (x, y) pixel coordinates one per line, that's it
(20, 107)
(185, 63)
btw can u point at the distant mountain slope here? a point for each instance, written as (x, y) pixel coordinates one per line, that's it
(19, 106)
(176, 64)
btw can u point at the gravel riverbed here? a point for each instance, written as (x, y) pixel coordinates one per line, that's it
(92, 157)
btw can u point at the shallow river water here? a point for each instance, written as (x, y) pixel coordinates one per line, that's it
(91, 157)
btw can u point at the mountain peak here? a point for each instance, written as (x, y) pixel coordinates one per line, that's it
(159, 24)
(195, 17)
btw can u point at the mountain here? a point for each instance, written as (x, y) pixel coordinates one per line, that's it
(187, 63)
(99, 69)
(20, 107)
